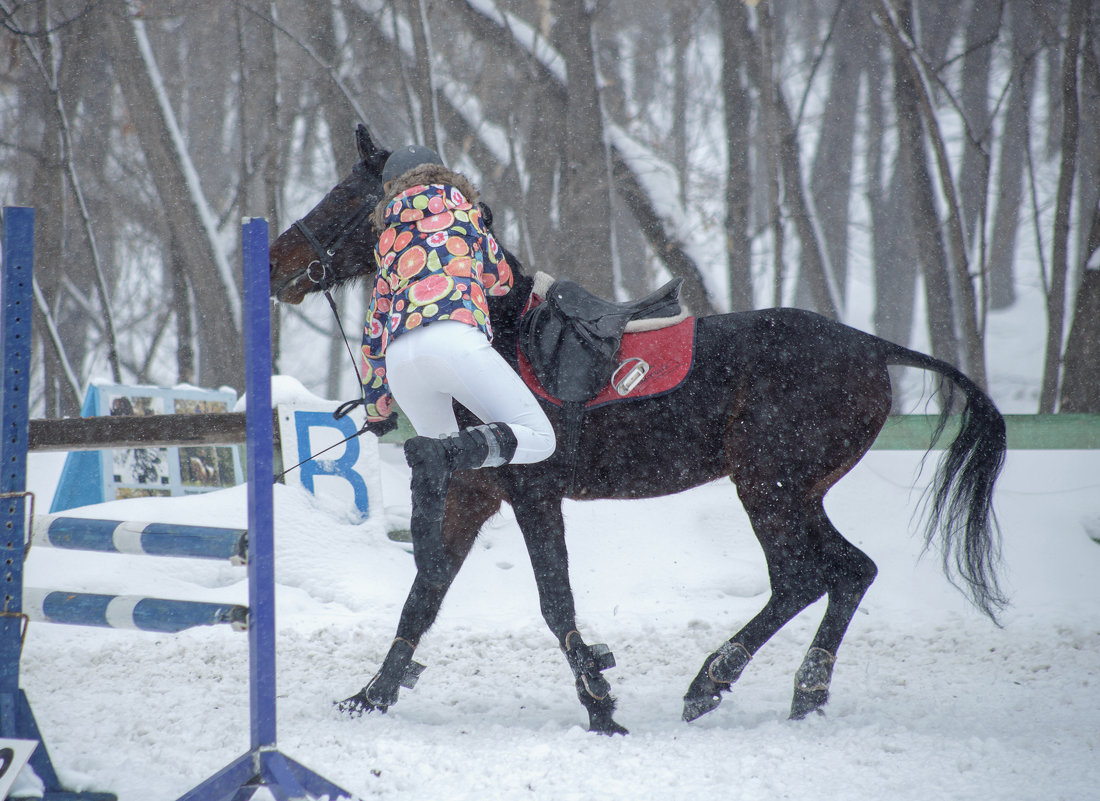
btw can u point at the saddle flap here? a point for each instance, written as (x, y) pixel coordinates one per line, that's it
(572, 340)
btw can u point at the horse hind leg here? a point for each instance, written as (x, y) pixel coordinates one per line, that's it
(722, 668)
(848, 574)
(781, 523)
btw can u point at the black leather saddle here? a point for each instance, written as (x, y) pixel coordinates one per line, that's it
(572, 339)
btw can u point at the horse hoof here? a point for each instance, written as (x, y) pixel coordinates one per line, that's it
(805, 702)
(609, 729)
(811, 683)
(357, 705)
(698, 706)
(369, 699)
(703, 695)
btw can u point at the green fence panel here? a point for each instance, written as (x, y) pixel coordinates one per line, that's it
(1025, 432)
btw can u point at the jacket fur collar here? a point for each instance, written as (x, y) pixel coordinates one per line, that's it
(424, 175)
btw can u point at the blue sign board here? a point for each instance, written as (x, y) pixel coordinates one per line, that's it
(90, 477)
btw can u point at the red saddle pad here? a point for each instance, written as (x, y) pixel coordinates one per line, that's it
(667, 351)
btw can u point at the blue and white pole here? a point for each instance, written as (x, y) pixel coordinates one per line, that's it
(132, 537)
(128, 611)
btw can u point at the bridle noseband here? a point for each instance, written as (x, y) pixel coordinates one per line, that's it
(327, 253)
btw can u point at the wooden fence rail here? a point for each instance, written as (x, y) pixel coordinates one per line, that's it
(901, 432)
(153, 431)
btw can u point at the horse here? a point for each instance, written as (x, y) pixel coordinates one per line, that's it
(784, 402)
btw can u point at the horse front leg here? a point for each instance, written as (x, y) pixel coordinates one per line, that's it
(473, 498)
(398, 668)
(543, 529)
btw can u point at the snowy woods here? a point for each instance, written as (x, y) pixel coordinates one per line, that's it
(907, 166)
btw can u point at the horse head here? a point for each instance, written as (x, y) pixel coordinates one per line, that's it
(334, 242)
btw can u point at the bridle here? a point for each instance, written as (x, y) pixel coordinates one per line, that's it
(327, 253)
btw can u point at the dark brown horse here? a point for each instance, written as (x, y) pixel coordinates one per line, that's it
(782, 401)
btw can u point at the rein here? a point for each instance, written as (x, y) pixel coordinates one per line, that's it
(325, 281)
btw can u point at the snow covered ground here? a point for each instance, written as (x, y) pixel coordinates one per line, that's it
(929, 699)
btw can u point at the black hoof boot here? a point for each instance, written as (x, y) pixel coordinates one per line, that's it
(720, 670)
(398, 670)
(811, 683)
(587, 663)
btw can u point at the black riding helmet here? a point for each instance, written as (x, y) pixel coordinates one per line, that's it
(405, 158)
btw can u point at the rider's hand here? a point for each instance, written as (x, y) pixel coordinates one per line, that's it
(377, 427)
(382, 427)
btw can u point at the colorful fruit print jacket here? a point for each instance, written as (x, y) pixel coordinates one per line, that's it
(436, 261)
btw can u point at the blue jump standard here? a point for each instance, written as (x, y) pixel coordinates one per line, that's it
(150, 539)
(263, 765)
(16, 309)
(128, 611)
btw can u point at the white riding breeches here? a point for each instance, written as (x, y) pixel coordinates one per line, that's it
(428, 366)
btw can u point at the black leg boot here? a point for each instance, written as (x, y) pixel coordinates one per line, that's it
(432, 461)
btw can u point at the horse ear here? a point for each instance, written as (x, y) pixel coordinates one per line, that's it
(368, 151)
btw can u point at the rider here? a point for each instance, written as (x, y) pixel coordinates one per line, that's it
(426, 341)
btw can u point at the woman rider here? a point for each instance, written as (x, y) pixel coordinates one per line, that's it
(426, 341)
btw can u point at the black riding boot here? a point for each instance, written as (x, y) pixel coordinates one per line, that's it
(432, 461)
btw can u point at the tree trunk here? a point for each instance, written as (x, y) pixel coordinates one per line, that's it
(737, 104)
(831, 175)
(1088, 147)
(221, 353)
(981, 37)
(922, 202)
(338, 113)
(421, 82)
(1056, 293)
(185, 329)
(893, 249)
(1014, 138)
(585, 222)
(48, 184)
(1081, 374)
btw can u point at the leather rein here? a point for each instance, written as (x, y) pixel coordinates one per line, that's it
(325, 280)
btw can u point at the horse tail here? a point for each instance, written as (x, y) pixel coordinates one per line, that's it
(961, 495)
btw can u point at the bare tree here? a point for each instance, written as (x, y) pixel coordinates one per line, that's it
(213, 287)
(1056, 290)
(737, 102)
